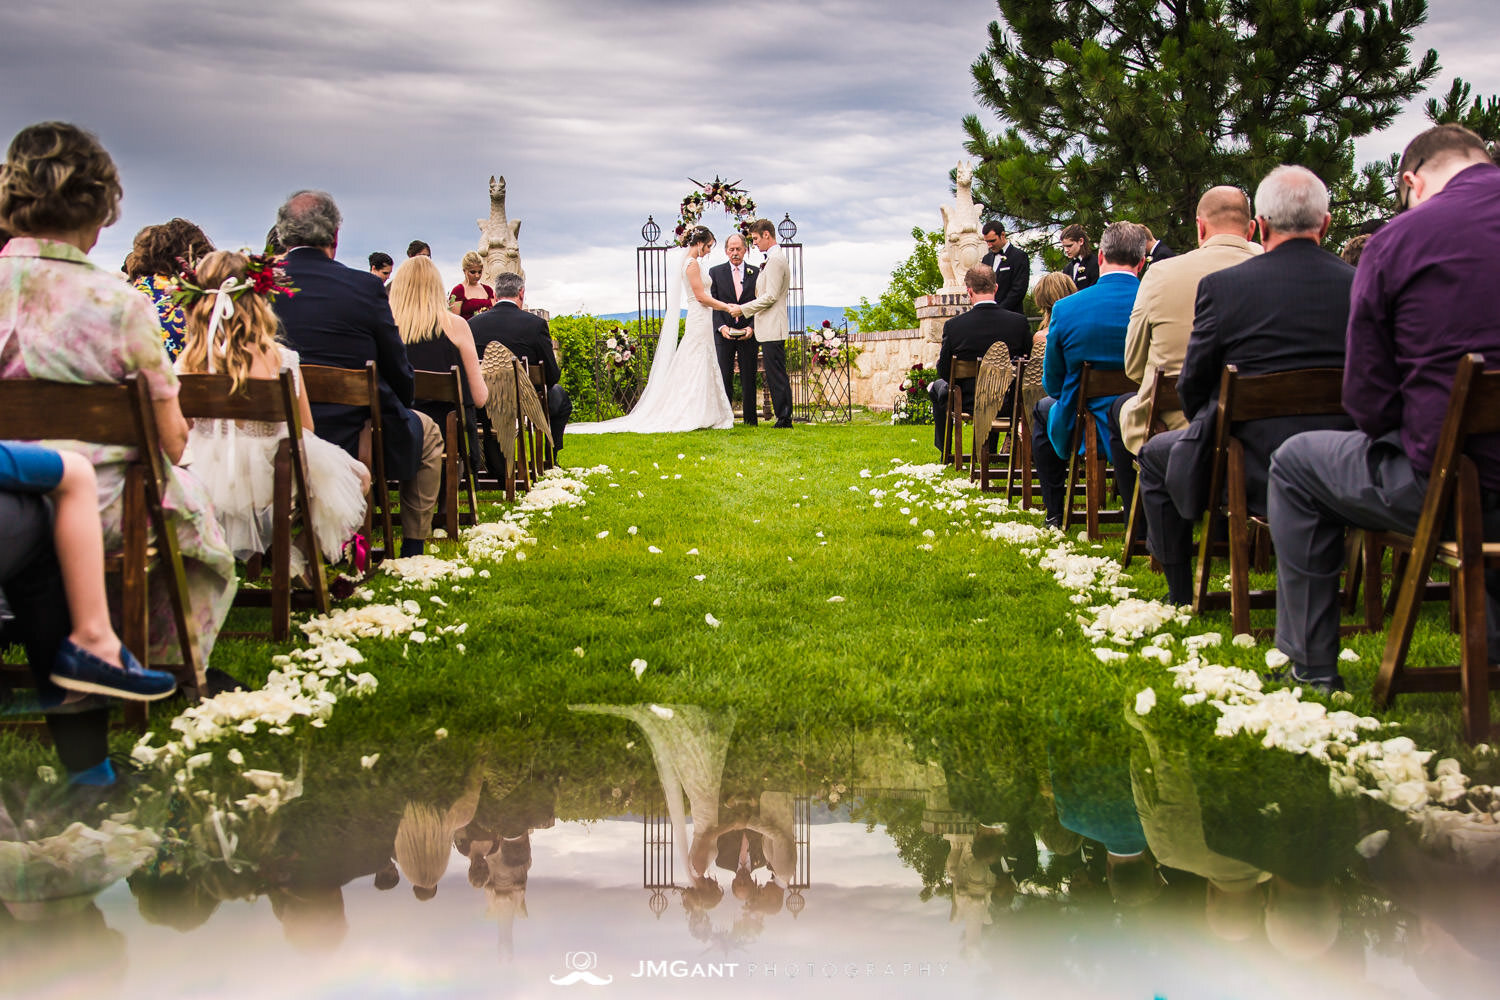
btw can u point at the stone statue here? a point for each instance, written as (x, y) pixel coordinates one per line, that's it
(963, 246)
(499, 237)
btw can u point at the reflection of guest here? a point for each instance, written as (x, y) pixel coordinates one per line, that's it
(1094, 800)
(424, 840)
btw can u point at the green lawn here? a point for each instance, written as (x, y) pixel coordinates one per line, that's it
(963, 652)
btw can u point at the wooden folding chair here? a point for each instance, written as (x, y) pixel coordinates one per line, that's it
(1093, 383)
(955, 415)
(1303, 392)
(273, 401)
(1019, 470)
(359, 387)
(1163, 399)
(120, 414)
(997, 375)
(1453, 494)
(458, 461)
(544, 455)
(503, 374)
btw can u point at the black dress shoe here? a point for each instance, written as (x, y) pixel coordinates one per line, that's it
(783, 423)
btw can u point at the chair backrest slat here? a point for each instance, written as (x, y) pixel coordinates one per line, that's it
(100, 413)
(204, 396)
(440, 387)
(1094, 383)
(340, 386)
(1482, 410)
(1305, 392)
(958, 369)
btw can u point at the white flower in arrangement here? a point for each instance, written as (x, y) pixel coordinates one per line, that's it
(611, 343)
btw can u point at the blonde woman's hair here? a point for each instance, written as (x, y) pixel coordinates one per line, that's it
(472, 259)
(424, 841)
(1053, 285)
(243, 338)
(418, 300)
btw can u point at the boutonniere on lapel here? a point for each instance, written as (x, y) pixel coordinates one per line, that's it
(749, 268)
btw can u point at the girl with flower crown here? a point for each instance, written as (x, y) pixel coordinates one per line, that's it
(232, 330)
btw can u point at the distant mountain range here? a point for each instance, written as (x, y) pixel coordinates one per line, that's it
(811, 315)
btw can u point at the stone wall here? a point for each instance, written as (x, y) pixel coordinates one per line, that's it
(884, 357)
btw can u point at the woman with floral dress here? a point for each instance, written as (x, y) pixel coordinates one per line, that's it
(63, 319)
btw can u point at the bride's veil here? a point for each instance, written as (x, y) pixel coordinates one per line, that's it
(666, 346)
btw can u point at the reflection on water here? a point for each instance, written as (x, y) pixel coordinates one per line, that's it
(652, 847)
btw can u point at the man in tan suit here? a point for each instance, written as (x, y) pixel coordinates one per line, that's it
(769, 308)
(1162, 317)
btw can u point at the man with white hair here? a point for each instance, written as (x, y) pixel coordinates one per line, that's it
(1423, 297)
(1282, 310)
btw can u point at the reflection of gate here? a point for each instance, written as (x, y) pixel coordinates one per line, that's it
(656, 857)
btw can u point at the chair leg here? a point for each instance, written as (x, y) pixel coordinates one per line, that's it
(1093, 464)
(281, 547)
(1204, 571)
(1239, 569)
(1067, 517)
(1130, 523)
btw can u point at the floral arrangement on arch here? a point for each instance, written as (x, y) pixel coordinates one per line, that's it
(913, 406)
(619, 349)
(728, 194)
(829, 347)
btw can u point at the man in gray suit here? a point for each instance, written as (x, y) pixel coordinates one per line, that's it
(769, 308)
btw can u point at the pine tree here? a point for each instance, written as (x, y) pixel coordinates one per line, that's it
(1130, 109)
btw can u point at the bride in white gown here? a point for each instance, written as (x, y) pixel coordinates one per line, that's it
(685, 390)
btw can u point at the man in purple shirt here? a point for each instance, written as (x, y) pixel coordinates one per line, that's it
(1423, 296)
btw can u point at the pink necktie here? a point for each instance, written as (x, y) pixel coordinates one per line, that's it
(738, 286)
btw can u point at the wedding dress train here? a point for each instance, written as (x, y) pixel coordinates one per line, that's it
(685, 390)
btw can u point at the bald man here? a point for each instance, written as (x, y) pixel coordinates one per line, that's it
(1162, 318)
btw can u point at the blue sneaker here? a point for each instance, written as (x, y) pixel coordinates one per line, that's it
(79, 670)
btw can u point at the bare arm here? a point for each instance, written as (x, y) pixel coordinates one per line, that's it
(695, 282)
(462, 337)
(171, 427)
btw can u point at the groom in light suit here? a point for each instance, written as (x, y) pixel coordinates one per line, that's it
(769, 310)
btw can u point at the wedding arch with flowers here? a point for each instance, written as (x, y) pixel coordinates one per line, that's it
(727, 194)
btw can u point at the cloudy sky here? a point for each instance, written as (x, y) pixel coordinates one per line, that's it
(844, 113)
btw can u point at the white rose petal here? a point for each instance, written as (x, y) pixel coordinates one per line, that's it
(653, 550)
(602, 534)
(578, 651)
(1348, 656)
(1244, 640)
(712, 621)
(1276, 659)
(662, 713)
(631, 530)
(370, 761)
(835, 599)
(700, 578)
(692, 552)
(1145, 701)
(639, 666)
(441, 734)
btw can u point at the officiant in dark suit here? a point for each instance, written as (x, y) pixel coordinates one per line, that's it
(734, 336)
(340, 317)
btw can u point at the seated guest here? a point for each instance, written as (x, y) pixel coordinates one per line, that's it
(274, 247)
(968, 336)
(381, 265)
(471, 296)
(1049, 288)
(435, 339)
(1354, 248)
(65, 320)
(1087, 326)
(1156, 250)
(152, 267)
(416, 248)
(1083, 263)
(1421, 300)
(527, 337)
(1163, 314)
(1011, 266)
(340, 317)
(236, 459)
(1284, 309)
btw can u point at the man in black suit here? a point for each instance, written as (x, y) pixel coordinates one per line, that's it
(968, 336)
(1285, 309)
(507, 322)
(1011, 266)
(340, 317)
(1155, 249)
(734, 336)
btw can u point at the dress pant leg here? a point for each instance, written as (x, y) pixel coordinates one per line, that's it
(1124, 461)
(561, 408)
(1051, 468)
(937, 394)
(726, 350)
(1321, 483)
(774, 352)
(1169, 535)
(419, 494)
(33, 585)
(748, 351)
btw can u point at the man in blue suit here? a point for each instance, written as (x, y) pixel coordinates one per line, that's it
(340, 317)
(1086, 326)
